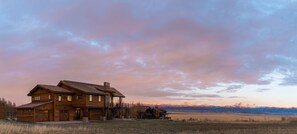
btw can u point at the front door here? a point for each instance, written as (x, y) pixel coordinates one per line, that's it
(77, 114)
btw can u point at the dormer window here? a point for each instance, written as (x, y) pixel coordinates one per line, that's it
(79, 97)
(90, 98)
(37, 98)
(60, 98)
(69, 98)
(99, 98)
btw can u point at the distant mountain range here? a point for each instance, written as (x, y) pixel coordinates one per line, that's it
(235, 109)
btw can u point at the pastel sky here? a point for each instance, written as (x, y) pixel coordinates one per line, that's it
(214, 52)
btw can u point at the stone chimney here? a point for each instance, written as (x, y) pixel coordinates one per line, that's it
(106, 85)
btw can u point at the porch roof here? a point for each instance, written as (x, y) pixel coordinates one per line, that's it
(33, 105)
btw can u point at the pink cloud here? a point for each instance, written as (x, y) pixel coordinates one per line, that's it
(180, 48)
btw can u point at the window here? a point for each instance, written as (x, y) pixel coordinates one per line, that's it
(110, 99)
(90, 98)
(60, 98)
(99, 98)
(69, 98)
(49, 97)
(78, 97)
(37, 98)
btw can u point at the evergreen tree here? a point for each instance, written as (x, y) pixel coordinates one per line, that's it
(7, 109)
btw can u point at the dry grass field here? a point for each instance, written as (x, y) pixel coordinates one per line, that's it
(148, 127)
(228, 117)
(206, 126)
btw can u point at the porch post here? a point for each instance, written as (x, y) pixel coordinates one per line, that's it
(120, 103)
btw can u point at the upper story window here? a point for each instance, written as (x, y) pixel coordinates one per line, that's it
(60, 98)
(78, 97)
(99, 98)
(49, 97)
(90, 98)
(37, 98)
(69, 98)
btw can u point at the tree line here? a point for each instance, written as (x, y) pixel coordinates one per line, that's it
(7, 109)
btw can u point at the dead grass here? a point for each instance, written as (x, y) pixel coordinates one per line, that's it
(246, 131)
(28, 128)
(227, 117)
(154, 127)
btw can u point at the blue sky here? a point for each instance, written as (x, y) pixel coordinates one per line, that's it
(212, 52)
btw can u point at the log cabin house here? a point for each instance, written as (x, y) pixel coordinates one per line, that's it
(69, 101)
